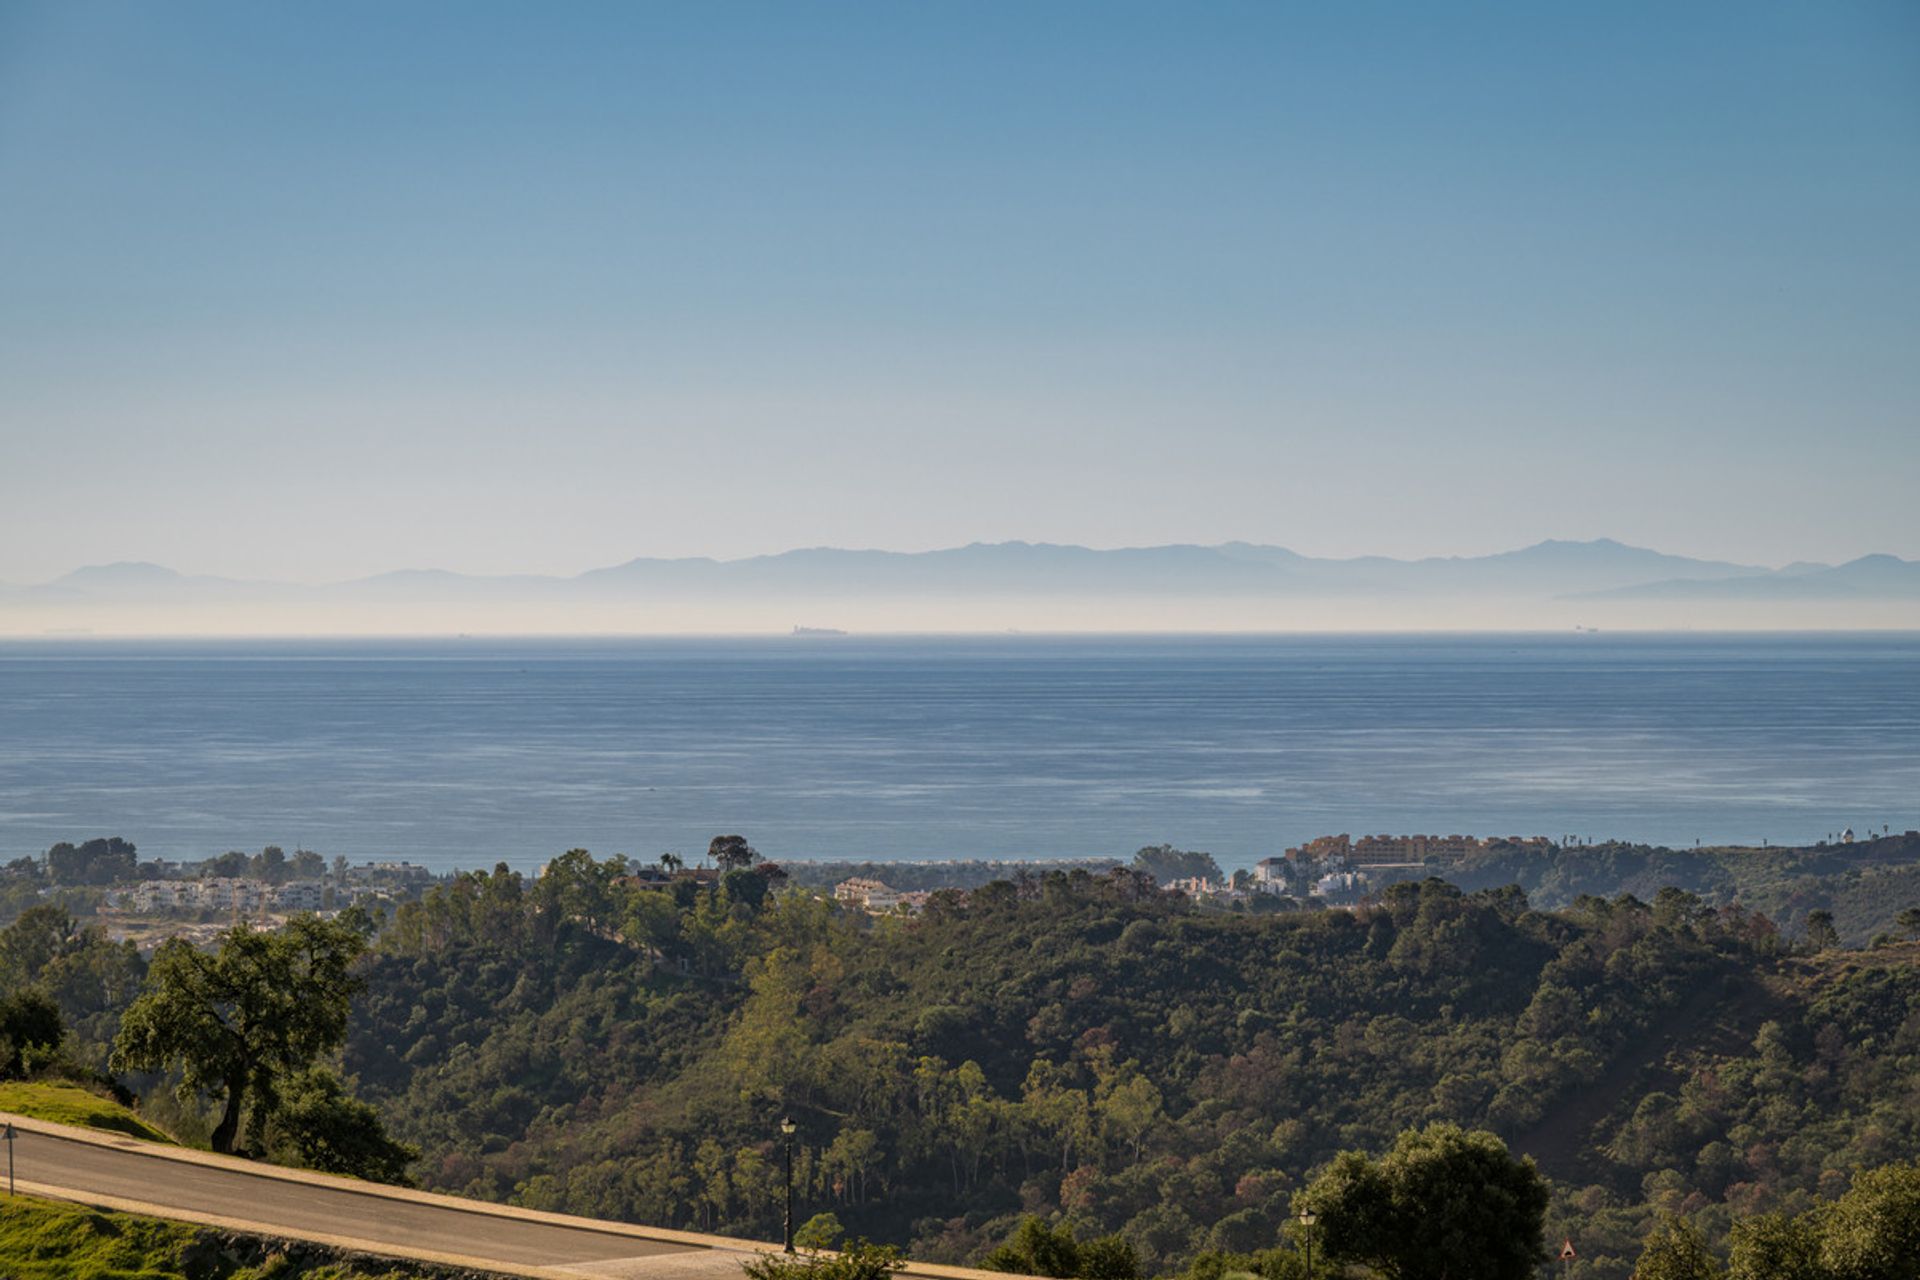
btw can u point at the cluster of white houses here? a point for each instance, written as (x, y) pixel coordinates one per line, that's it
(877, 896)
(224, 894)
(1342, 866)
(1332, 867)
(1335, 855)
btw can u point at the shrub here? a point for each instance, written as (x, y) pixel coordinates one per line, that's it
(860, 1260)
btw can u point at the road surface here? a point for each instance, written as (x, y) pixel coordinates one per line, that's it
(123, 1173)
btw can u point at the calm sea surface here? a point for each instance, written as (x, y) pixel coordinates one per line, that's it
(461, 753)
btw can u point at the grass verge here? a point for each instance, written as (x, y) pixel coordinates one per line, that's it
(70, 1104)
(49, 1240)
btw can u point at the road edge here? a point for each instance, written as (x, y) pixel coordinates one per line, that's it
(457, 1204)
(349, 1244)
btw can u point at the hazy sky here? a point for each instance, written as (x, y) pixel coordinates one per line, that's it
(313, 290)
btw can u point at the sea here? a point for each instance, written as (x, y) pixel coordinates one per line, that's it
(460, 753)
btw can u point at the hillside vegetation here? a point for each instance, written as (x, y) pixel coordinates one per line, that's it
(1088, 1049)
(1864, 885)
(44, 1240)
(71, 1104)
(1155, 1081)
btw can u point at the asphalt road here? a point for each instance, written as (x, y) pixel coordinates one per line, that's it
(403, 1227)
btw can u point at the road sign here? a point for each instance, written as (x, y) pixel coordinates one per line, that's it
(1566, 1252)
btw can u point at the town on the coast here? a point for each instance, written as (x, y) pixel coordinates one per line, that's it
(148, 901)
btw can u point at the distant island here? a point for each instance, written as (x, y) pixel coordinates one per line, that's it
(1005, 586)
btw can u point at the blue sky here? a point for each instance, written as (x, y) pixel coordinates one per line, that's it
(315, 290)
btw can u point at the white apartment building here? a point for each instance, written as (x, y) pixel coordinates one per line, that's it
(872, 895)
(223, 894)
(1340, 882)
(300, 895)
(1270, 875)
(163, 895)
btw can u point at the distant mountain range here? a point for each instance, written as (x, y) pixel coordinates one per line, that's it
(1600, 574)
(1870, 577)
(1600, 569)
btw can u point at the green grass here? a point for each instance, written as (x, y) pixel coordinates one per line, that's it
(45, 1240)
(70, 1104)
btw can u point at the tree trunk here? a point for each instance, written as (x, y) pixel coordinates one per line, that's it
(229, 1127)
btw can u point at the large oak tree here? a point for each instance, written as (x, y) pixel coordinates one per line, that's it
(242, 1021)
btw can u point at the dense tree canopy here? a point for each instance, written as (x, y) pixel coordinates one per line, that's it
(1076, 1050)
(1164, 862)
(1035, 1249)
(731, 853)
(30, 1030)
(1080, 1047)
(1872, 1232)
(1676, 1251)
(101, 861)
(89, 979)
(321, 1126)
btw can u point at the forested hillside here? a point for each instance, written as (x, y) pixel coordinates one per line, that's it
(1087, 1049)
(1863, 885)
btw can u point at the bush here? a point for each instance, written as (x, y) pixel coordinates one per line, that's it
(1440, 1192)
(1675, 1251)
(821, 1231)
(330, 1130)
(1035, 1249)
(30, 1032)
(860, 1260)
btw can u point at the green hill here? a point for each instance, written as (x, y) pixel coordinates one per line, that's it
(46, 1240)
(1088, 1049)
(1115, 1060)
(71, 1104)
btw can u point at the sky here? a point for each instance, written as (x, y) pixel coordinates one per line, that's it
(311, 291)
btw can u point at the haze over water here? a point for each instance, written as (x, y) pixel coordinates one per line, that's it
(462, 753)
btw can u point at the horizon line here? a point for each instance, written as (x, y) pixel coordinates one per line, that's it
(825, 640)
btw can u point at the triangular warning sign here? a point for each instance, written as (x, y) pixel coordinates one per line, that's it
(1566, 1252)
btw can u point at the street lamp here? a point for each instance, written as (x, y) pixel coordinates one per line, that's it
(786, 1131)
(1307, 1219)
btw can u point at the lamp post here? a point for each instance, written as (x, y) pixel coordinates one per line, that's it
(786, 1131)
(1307, 1219)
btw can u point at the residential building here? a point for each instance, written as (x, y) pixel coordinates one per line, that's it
(1193, 887)
(300, 895)
(164, 895)
(1339, 884)
(1270, 875)
(870, 895)
(1323, 849)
